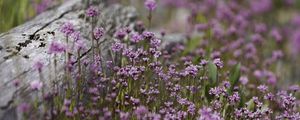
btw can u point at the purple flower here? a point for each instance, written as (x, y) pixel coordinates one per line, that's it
(98, 33)
(92, 11)
(244, 80)
(260, 6)
(38, 66)
(207, 113)
(191, 70)
(155, 42)
(201, 27)
(24, 107)
(76, 36)
(121, 33)
(203, 62)
(294, 88)
(43, 5)
(117, 46)
(67, 102)
(262, 88)
(56, 48)
(269, 96)
(148, 35)
(150, 4)
(80, 45)
(217, 91)
(135, 37)
(218, 63)
(16, 82)
(140, 111)
(234, 99)
(124, 116)
(36, 85)
(276, 35)
(67, 28)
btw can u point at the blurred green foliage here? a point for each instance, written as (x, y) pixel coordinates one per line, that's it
(14, 12)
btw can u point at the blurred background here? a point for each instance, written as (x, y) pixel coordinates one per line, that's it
(173, 16)
(15, 12)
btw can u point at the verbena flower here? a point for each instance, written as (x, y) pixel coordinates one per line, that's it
(207, 113)
(98, 33)
(150, 4)
(56, 47)
(92, 11)
(262, 88)
(67, 28)
(140, 112)
(38, 66)
(36, 85)
(135, 37)
(234, 99)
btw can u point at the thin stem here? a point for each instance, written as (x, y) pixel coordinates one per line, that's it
(92, 38)
(149, 19)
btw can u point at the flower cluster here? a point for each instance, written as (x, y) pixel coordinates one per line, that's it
(230, 67)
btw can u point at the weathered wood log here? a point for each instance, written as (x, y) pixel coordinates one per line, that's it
(22, 46)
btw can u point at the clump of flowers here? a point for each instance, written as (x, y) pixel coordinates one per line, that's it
(232, 73)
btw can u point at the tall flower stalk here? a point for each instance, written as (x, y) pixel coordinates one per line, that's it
(92, 12)
(151, 6)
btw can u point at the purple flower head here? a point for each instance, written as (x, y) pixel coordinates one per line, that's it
(80, 45)
(150, 4)
(36, 85)
(294, 88)
(260, 6)
(148, 35)
(67, 102)
(98, 33)
(135, 37)
(275, 33)
(226, 84)
(124, 116)
(76, 36)
(201, 27)
(244, 80)
(269, 96)
(277, 54)
(296, 41)
(24, 107)
(92, 11)
(155, 42)
(67, 28)
(207, 113)
(38, 66)
(218, 63)
(56, 48)
(42, 6)
(121, 33)
(16, 82)
(117, 46)
(235, 98)
(262, 88)
(191, 70)
(217, 91)
(140, 111)
(203, 62)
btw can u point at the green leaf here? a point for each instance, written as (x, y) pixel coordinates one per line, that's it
(192, 45)
(234, 76)
(250, 104)
(212, 74)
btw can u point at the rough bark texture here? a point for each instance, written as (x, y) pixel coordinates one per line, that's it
(21, 47)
